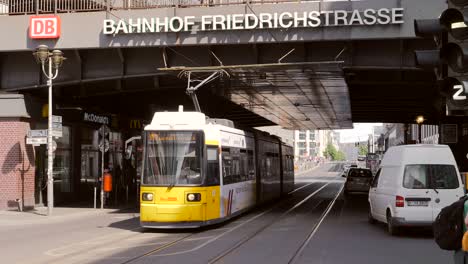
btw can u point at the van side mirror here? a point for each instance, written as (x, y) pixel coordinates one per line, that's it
(344, 176)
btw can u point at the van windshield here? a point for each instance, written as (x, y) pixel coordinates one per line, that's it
(429, 176)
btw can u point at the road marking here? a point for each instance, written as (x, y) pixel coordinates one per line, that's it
(299, 252)
(238, 226)
(55, 252)
(245, 240)
(299, 188)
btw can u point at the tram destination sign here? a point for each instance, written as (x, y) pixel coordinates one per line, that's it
(283, 20)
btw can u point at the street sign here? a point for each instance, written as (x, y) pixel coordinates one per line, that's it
(54, 145)
(57, 133)
(57, 126)
(37, 133)
(56, 119)
(36, 140)
(104, 130)
(104, 145)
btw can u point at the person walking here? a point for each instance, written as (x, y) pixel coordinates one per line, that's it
(461, 255)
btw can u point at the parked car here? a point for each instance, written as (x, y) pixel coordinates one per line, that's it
(413, 184)
(357, 180)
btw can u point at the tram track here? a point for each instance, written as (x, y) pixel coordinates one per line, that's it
(182, 239)
(167, 245)
(227, 252)
(154, 251)
(297, 255)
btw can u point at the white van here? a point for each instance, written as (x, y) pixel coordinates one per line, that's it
(413, 184)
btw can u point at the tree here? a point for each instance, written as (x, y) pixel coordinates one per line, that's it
(332, 153)
(362, 150)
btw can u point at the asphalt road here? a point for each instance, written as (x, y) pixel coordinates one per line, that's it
(314, 224)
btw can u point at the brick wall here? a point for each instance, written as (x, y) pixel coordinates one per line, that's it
(17, 168)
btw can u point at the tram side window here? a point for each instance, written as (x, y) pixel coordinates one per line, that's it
(212, 170)
(236, 163)
(244, 169)
(227, 166)
(251, 168)
(268, 168)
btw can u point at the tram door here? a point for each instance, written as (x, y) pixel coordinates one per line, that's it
(132, 169)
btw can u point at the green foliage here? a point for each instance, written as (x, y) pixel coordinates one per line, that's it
(332, 153)
(362, 150)
(340, 156)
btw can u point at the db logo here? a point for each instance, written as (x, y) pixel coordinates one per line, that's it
(44, 27)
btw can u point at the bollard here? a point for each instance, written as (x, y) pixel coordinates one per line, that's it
(20, 205)
(126, 190)
(94, 197)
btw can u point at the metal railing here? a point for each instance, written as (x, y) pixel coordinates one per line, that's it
(17, 7)
(23, 7)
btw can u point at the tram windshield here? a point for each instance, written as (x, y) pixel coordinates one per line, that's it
(173, 158)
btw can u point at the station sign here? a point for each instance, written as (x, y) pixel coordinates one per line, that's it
(249, 21)
(44, 27)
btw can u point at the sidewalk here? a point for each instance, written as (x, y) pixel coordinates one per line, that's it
(38, 216)
(300, 173)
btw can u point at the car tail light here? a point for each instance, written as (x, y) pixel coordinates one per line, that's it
(400, 201)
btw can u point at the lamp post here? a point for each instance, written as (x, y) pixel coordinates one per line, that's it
(419, 120)
(53, 60)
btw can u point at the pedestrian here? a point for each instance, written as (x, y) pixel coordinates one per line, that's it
(450, 229)
(461, 255)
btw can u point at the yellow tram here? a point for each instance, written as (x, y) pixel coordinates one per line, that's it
(199, 171)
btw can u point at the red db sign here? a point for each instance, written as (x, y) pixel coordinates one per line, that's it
(44, 27)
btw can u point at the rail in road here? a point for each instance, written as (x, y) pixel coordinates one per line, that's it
(294, 219)
(294, 202)
(314, 224)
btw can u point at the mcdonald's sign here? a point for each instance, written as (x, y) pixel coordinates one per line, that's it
(135, 124)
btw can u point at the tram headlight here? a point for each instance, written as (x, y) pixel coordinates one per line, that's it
(193, 197)
(147, 197)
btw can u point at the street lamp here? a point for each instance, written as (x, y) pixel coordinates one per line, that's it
(419, 120)
(54, 60)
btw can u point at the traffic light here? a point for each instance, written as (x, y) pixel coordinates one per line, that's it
(450, 59)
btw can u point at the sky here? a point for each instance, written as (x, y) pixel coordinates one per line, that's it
(360, 132)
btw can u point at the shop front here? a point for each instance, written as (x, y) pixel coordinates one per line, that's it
(78, 158)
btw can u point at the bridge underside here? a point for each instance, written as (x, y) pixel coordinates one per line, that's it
(309, 89)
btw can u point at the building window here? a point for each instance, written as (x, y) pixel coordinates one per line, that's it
(302, 152)
(301, 145)
(302, 135)
(312, 135)
(62, 161)
(90, 158)
(312, 152)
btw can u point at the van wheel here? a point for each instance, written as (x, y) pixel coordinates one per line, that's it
(370, 218)
(391, 228)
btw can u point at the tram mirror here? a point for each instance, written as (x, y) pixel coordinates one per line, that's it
(128, 152)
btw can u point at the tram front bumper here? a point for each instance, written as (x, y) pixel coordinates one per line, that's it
(170, 213)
